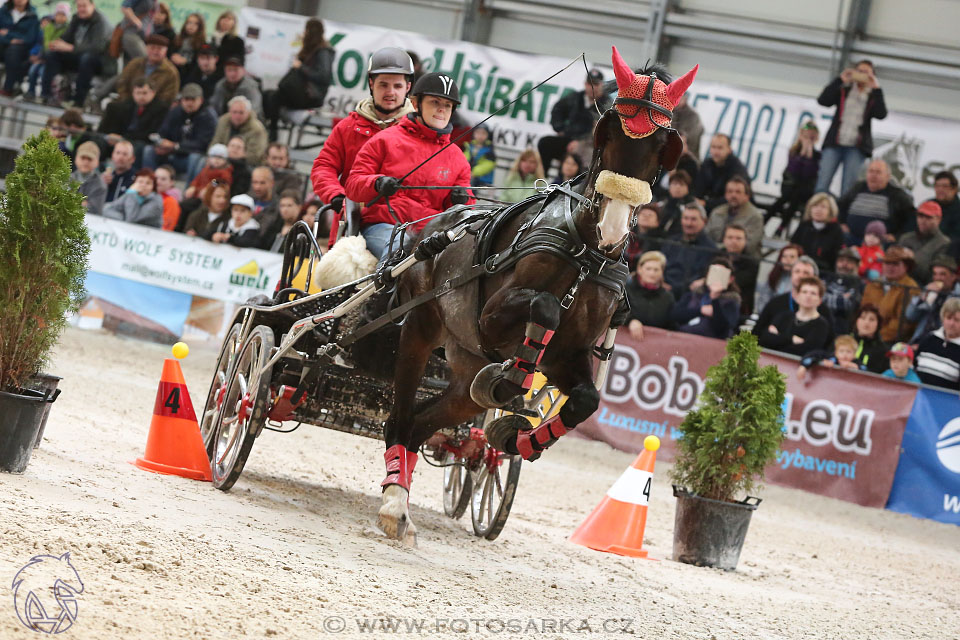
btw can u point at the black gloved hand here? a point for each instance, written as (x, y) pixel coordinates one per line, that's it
(459, 195)
(337, 203)
(387, 186)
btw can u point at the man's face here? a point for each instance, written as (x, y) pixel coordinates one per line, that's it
(207, 63)
(894, 270)
(191, 105)
(691, 222)
(156, 53)
(143, 95)
(951, 326)
(164, 181)
(84, 9)
(277, 158)
(719, 149)
(592, 91)
(847, 266)
(945, 192)
(238, 114)
(233, 73)
(946, 276)
(734, 240)
(927, 224)
(878, 176)
(735, 194)
(389, 91)
(122, 157)
(809, 296)
(800, 271)
(261, 184)
(289, 210)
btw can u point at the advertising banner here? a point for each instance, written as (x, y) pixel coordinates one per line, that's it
(927, 483)
(843, 429)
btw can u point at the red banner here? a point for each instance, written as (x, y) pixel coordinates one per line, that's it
(843, 428)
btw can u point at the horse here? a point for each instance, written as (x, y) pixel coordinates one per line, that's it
(554, 282)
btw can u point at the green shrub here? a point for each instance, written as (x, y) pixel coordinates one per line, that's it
(43, 258)
(736, 429)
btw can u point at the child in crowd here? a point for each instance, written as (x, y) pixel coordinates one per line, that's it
(165, 175)
(901, 363)
(844, 357)
(483, 161)
(217, 168)
(88, 175)
(55, 128)
(52, 29)
(239, 228)
(526, 170)
(289, 214)
(871, 252)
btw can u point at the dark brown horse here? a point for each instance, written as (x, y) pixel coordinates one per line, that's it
(548, 311)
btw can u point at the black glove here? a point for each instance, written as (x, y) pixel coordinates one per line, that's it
(459, 195)
(337, 203)
(387, 186)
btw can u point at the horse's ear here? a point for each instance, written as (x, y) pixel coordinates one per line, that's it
(670, 153)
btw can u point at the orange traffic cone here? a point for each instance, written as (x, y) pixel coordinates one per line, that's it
(174, 445)
(616, 525)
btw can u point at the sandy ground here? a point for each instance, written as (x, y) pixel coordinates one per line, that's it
(292, 551)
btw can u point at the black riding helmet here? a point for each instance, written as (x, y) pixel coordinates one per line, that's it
(438, 84)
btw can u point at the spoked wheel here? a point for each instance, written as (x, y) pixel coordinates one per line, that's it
(218, 387)
(457, 485)
(244, 408)
(494, 486)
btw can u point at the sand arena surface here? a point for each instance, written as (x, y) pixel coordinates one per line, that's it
(292, 551)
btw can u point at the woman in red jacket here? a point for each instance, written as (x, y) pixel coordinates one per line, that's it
(390, 155)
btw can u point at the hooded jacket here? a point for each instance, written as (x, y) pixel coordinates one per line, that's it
(27, 28)
(397, 151)
(892, 298)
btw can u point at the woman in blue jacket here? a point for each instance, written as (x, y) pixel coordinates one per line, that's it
(19, 33)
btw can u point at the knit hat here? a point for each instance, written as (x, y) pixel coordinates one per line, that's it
(876, 228)
(217, 151)
(64, 8)
(901, 349)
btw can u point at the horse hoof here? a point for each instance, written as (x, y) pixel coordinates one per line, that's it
(394, 518)
(502, 432)
(490, 390)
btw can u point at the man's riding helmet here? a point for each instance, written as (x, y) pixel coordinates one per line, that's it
(390, 60)
(437, 84)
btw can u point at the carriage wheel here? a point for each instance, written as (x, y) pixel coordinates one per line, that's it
(494, 486)
(457, 485)
(218, 386)
(244, 408)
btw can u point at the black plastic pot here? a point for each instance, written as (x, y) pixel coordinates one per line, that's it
(710, 533)
(20, 416)
(46, 384)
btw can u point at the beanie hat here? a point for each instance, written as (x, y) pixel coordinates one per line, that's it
(64, 8)
(877, 228)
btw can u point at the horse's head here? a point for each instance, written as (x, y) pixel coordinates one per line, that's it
(633, 143)
(42, 576)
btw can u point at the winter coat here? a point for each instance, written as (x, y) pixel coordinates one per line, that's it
(207, 82)
(747, 216)
(93, 188)
(686, 261)
(513, 194)
(571, 117)
(192, 131)
(171, 212)
(483, 163)
(892, 300)
(842, 298)
(252, 131)
(822, 245)
(224, 92)
(835, 94)
(92, 36)
(815, 334)
(722, 324)
(136, 209)
(395, 152)
(924, 251)
(247, 235)
(165, 79)
(652, 307)
(927, 314)
(199, 221)
(785, 302)
(306, 86)
(119, 118)
(671, 210)
(950, 224)
(871, 352)
(938, 361)
(27, 28)
(897, 215)
(711, 181)
(871, 261)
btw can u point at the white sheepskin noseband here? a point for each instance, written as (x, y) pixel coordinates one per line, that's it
(632, 191)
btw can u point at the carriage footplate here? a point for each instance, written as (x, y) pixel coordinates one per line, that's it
(284, 406)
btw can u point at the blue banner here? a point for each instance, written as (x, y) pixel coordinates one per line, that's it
(927, 483)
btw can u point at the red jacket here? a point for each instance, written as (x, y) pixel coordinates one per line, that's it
(395, 152)
(332, 167)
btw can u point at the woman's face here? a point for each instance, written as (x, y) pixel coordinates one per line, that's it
(436, 112)
(143, 185)
(164, 180)
(311, 215)
(289, 210)
(225, 24)
(651, 272)
(820, 212)
(191, 25)
(527, 166)
(678, 189)
(218, 200)
(867, 324)
(789, 257)
(569, 168)
(160, 16)
(647, 219)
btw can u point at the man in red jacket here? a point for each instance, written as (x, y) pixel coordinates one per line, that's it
(388, 157)
(389, 74)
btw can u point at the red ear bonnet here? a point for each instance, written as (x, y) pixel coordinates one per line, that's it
(641, 122)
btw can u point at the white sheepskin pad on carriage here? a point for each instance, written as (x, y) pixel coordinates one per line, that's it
(347, 261)
(633, 191)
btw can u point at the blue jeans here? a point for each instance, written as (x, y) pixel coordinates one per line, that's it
(832, 158)
(36, 72)
(377, 236)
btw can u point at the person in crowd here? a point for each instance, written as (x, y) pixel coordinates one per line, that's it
(236, 82)
(710, 185)
(82, 48)
(19, 34)
(398, 150)
(570, 167)
(170, 196)
(713, 308)
(51, 30)
(284, 176)
(186, 46)
(945, 189)
(76, 131)
(819, 234)
(88, 175)
(55, 128)
(120, 173)
(892, 293)
(901, 363)
(289, 208)
(135, 118)
(482, 157)
(737, 209)
(573, 118)
(871, 349)
(875, 198)
(745, 268)
(779, 280)
(650, 303)
(265, 203)
(671, 208)
(803, 330)
(308, 213)
(871, 251)
(205, 71)
(645, 236)
(688, 255)
(938, 356)
(239, 228)
(162, 25)
(154, 66)
(305, 84)
(137, 26)
(140, 204)
(844, 357)
(799, 178)
(687, 122)
(389, 74)
(927, 242)
(924, 307)
(225, 38)
(184, 134)
(804, 267)
(217, 168)
(522, 177)
(688, 161)
(859, 99)
(843, 289)
(241, 121)
(216, 201)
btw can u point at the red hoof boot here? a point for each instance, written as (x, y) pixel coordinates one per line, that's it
(400, 466)
(532, 442)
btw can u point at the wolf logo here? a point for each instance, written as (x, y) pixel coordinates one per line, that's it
(45, 593)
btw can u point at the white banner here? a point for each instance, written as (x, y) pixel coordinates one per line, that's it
(180, 262)
(762, 124)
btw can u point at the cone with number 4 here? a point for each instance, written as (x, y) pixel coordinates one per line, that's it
(174, 445)
(617, 524)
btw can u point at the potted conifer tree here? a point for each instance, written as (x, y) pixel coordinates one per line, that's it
(730, 437)
(44, 246)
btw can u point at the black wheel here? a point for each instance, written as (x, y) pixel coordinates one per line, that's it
(457, 485)
(218, 386)
(494, 487)
(244, 408)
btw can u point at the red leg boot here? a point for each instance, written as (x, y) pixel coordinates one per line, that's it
(394, 516)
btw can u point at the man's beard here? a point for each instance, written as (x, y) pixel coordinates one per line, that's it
(384, 110)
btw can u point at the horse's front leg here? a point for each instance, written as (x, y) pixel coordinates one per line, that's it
(539, 313)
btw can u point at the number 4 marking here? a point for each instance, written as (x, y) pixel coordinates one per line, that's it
(646, 489)
(173, 400)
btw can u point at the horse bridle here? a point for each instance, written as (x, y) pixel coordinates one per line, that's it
(646, 102)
